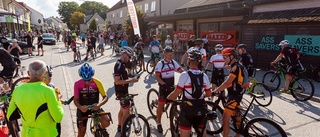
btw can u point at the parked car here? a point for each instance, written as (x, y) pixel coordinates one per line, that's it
(49, 38)
(23, 45)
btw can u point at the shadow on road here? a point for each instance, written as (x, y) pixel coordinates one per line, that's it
(110, 92)
(149, 80)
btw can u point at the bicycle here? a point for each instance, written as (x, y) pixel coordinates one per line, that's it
(92, 55)
(136, 64)
(302, 89)
(133, 120)
(242, 125)
(152, 62)
(19, 82)
(95, 126)
(313, 72)
(115, 48)
(78, 53)
(13, 125)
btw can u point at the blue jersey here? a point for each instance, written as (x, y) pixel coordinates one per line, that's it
(155, 43)
(82, 35)
(124, 43)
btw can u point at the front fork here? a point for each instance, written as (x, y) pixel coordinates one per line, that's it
(137, 128)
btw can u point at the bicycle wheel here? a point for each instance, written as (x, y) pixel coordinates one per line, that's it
(316, 74)
(214, 126)
(174, 120)
(138, 126)
(152, 100)
(13, 127)
(263, 127)
(271, 80)
(264, 95)
(139, 66)
(150, 66)
(19, 82)
(301, 89)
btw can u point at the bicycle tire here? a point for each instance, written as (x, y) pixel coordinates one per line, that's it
(129, 122)
(23, 80)
(262, 89)
(150, 69)
(298, 88)
(217, 122)
(316, 73)
(139, 66)
(174, 122)
(272, 80)
(16, 72)
(152, 104)
(254, 123)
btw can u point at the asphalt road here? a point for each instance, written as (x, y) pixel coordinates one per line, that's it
(296, 118)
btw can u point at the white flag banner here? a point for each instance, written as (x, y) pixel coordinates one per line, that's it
(133, 16)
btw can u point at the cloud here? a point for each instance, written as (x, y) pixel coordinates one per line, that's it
(49, 7)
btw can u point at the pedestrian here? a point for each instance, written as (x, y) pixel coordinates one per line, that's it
(38, 104)
(124, 42)
(177, 47)
(101, 42)
(40, 44)
(28, 38)
(93, 41)
(168, 42)
(15, 50)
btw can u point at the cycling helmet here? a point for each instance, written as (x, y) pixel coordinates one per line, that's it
(199, 41)
(284, 42)
(74, 35)
(241, 46)
(127, 50)
(167, 49)
(218, 47)
(229, 51)
(195, 55)
(86, 72)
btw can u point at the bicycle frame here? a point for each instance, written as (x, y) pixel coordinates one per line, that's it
(133, 110)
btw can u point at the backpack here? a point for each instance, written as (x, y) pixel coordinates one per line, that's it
(162, 61)
(295, 53)
(242, 76)
(196, 83)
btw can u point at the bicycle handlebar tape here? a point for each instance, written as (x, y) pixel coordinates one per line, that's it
(70, 100)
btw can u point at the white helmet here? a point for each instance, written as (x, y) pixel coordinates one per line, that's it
(218, 47)
(284, 42)
(127, 50)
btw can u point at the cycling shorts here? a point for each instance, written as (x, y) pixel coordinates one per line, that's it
(89, 48)
(81, 117)
(7, 72)
(164, 91)
(186, 121)
(83, 39)
(231, 107)
(291, 70)
(217, 77)
(74, 50)
(155, 55)
(124, 103)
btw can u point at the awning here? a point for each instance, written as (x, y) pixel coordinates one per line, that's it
(213, 12)
(286, 16)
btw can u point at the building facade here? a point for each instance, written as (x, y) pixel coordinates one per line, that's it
(36, 19)
(100, 22)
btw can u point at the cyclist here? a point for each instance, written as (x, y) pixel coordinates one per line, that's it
(138, 48)
(198, 46)
(292, 61)
(218, 63)
(124, 42)
(86, 92)
(191, 42)
(15, 51)
(236, 83)
(246, 58)
(195, 86)
(121, 84)
(40, 44)
(164, 74)
(89, 48)
(37, 104)
(93, 41)
(155, 48)
(7, 63)
(74, 47)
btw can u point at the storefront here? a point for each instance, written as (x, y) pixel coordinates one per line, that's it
(263, 31)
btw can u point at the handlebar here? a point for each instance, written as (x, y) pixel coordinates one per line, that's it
(127, 96)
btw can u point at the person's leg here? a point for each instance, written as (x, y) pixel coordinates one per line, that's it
(225, 123)
(120, 115)
(59, 129)
(42, 51)
(38, 51)
(81, 124)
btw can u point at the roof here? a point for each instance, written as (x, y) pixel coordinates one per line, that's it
(121, 5)
(87, 18)
(285, 16)
(198, 3)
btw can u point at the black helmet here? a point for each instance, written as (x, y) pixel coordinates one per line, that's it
(167, 49)
(195, 55)
(241, 46)
(198, 42)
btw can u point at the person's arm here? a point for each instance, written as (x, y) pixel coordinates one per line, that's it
(227, 82)
(278, 58)
(20, 50)
(102, 93)
(209, 63)
(204, 58)
(178, 67)
(118, 81)
(185, 55)
(54, 106)
(10, 48)
(207, 89)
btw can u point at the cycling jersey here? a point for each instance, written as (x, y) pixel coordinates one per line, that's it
(289, 56)
(155, 46)
(124, 43)
(30, 98)
(235, 89)
(139, 47)
(120, 70)
(184, 82)
(166, 69)
(217, 60)
(88, 94)
(6, 59)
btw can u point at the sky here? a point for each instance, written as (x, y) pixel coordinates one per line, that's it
(49, 7)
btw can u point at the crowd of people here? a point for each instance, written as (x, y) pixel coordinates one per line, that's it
(193, 84)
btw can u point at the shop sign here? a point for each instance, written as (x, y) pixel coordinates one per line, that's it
(310, 45)
(224, 37)
(269, 42)
(184, 36)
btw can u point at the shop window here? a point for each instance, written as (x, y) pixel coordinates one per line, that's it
(224, 26)
(209, 27)
(153, 6)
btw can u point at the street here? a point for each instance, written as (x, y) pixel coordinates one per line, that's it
(296, 118)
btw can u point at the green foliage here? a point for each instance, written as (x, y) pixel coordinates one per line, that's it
(64, 10)
(143, 25)
(92, 7)
(76, 19)
(93, 25)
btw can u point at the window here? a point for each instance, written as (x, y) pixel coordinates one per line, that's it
(153, 6)
(123, 1)
(146, 7)
(112, 15)
(226, 26)
(121, 14)
(96, 19)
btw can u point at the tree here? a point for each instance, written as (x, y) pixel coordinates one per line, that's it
(76, 19)
(93, 25)
(64, 10)
(142, 24)
(92, 7)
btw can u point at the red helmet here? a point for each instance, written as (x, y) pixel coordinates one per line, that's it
(229, 51)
